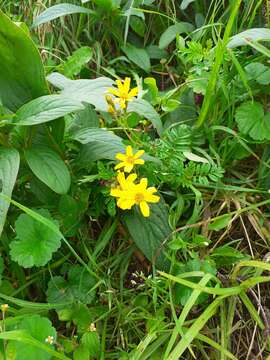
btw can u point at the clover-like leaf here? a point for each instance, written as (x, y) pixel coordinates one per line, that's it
(78, 287)
(252, 120)
(40, 329)
(35, 242)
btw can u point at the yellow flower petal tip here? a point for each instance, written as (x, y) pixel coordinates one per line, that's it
(129, 160)
(123, 93)
(128, 193)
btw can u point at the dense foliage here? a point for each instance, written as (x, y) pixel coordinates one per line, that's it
(134, 173)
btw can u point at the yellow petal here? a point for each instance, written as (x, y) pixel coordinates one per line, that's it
(119, 166)
(122, 103)
(119, 85)
(114, 92)
(120, 156)
(152, 198)
(143, 184)
(144, 208)
(138, 154)
(151, 190)
(139, 161)
(125, 204)
(116, 192)
(126, 85)
(128, 168)
(132, 177)
(133, 92)
(129, 151)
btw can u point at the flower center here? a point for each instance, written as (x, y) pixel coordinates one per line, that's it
(139, 197)
(130, 159)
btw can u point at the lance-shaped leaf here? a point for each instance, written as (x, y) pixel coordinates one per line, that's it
(9, 166)
(21, 70)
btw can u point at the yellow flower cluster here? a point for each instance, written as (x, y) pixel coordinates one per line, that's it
(129, 193)
(123, 94)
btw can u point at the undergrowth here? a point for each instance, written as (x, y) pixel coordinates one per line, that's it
(134, 177)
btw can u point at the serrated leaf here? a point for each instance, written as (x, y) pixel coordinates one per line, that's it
(256, 34)
(252, 121)
(143, 108)
(170, 33)
(35, 242)
(46, 108)
(220, 223)
(78, 287)
(21, 70)
(258, 72)
(92, 343)
(47, 165)
(150, 233)
(58, 10)
(39, 328)
(138, 56)
(84, 90)
(77, 60)
(9, 167)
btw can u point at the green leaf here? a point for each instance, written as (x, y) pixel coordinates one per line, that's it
(150, 233)
(49, 168)
(9, 167)
(21, 70)
(170, 33)
(185, 3)
(84, 90)
(46, 108)
(58, 10)
(81, 353)
(256, 34)
(258, 72)
(220, 223)
(227, 255)
(39, 328)
(92, 343)
(101, 143)
(35, 242)
(138, 56)
(74, 64)
(252, 120)
(143, 108)
(78, 287)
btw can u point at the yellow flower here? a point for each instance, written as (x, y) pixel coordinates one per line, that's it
(135, 194)
(123, 94)
(111, 106)
(4, 307)
(125, 184)
(128, 160)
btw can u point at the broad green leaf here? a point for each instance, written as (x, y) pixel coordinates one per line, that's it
(185, 4)
(170, 33)
(84, 119)
(252, 120)
(101, 143)
(91, 341)
(155, 52)
(78, 287)
(39, 328)
(9, 167)
(258, 72)
(74, 64)
(220, 223)
(21, 70)
(138, 56)
(227, 255)
(35, 242)
(47, 165)
(58, 10)
(256, 34)
(81, 353)
(149, 234)
(143, 108)
(89, 91)
(46, 108)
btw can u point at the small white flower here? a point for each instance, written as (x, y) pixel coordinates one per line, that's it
(49, 340)
(133, 282)
(93, 327)
(4, 308)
